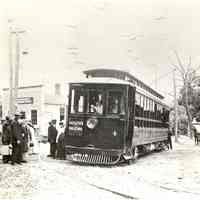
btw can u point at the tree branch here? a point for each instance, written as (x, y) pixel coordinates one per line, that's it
(176, 67)
(179, 61)
(196, 69)
(190, 62)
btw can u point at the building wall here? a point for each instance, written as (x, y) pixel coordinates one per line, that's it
(45, 112)
(51, 112)
(34, 92)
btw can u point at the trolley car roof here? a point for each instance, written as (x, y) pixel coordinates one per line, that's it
(107, 80)
(121, 75)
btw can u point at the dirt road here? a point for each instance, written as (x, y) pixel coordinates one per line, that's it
(165, 175)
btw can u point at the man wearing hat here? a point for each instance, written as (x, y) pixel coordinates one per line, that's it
(52, 134)
(6, 138)
(17, 139)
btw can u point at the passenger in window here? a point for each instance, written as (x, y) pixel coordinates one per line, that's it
(122, 108)
(115, 107)
(97, 106)
(80, 104)
(92, 105)
(92, 108)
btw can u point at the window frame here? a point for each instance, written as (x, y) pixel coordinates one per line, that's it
(77, 88)
(123, 94)
(88, 101)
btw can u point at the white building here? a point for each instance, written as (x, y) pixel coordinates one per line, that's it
(38, 106)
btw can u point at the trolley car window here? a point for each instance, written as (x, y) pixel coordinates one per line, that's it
(116, 104)
(145, 107)
(77, 101)
(137, 104)
(95, 102)
(142, 106)
(155, 111)
(137, 123)
(158, 112)
(151, 109)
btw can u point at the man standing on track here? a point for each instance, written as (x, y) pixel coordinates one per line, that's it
(52, 134)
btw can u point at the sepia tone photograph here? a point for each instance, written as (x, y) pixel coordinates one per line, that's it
(99, 99)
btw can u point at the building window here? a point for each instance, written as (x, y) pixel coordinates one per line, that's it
(62, 113)
(34, 116)
(23, 115)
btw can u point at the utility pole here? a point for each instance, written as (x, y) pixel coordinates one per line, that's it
(175, 107)
(16, 71)
(11, 70)
(17, 65)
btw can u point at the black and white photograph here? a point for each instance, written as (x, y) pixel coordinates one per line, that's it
(100, 99)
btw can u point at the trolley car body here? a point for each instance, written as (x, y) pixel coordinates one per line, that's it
(110, 119)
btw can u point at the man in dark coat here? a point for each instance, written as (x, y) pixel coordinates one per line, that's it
(52, 134)
(195, 134)
(169, 138)
(6, 138)
(17, 139)
(61, 147)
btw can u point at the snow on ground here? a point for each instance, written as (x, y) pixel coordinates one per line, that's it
(164, 175)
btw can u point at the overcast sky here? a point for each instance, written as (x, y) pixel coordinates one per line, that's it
(64, 37)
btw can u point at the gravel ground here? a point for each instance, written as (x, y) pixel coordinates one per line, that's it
(168, 175)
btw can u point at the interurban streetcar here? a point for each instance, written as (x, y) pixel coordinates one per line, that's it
(113, 116)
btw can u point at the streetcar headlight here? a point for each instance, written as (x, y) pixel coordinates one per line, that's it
(92, 123)
(114, 133)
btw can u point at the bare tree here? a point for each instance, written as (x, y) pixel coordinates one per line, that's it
(187, 76)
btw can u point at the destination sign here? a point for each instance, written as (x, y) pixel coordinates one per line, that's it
(75, 127)
(25, 100)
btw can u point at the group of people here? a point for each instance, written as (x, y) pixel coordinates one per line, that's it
(56, 141)
(19, 136)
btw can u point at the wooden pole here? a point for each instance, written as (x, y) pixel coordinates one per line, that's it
(17, 65)
(11, 112)
(175, 108)
(16, 71)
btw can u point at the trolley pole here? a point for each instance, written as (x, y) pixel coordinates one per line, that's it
(175, 108)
